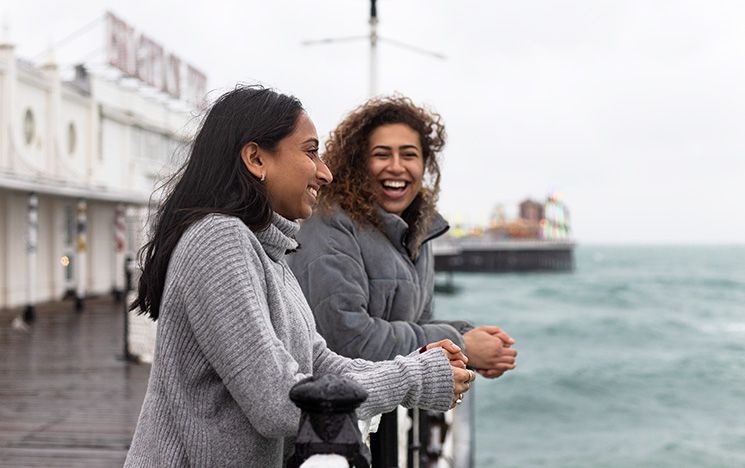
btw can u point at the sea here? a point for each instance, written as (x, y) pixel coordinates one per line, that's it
(634, 359)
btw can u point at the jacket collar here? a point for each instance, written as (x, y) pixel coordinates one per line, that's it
(395, 229)
(279, 237)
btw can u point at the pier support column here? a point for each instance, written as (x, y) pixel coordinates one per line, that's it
(81, 257)
(32, 241)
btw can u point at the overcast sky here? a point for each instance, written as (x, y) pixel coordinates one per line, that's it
(633, 110)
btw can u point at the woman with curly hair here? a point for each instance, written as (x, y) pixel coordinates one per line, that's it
(366, 265)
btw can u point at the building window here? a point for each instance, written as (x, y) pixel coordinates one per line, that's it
(72, 138)
(149, 144)
(29, 126)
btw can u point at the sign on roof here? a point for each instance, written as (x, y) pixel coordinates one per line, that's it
(138, 56)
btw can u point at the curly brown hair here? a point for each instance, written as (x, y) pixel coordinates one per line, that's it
(346, 156)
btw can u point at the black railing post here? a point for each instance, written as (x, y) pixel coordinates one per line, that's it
(384, 442)
(128, 271)
(328, 423)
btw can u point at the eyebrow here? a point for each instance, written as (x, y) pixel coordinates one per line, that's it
(400, 147)
(311, 140)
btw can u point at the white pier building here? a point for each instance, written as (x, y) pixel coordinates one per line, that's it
(79, 160)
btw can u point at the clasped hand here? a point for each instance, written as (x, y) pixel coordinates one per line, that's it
(462, 377)
(490, 350)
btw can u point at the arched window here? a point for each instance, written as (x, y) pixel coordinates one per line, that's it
(29, 127)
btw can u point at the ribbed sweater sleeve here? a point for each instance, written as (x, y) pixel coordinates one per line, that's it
(219, 277)
(417, 380)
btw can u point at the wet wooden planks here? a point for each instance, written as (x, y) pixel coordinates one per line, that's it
(66, 397)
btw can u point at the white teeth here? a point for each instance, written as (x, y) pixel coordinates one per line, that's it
(394, 184)
(313, 191)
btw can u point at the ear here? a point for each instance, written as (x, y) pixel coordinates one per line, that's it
(252, 159)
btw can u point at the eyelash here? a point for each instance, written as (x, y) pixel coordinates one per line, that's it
(312, 154)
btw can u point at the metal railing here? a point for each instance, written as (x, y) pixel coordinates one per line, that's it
(328, 426)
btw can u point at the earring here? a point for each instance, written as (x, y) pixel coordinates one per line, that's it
(263, 177)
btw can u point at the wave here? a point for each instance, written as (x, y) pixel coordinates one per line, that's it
(714, 328)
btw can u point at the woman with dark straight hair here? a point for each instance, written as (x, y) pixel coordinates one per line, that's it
(234, 330)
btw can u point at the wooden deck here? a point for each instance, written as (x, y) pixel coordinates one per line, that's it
(66, 397)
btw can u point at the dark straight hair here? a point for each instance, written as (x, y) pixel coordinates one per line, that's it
(214, 179)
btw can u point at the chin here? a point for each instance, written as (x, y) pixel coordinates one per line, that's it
(305, 214)
(396, 209)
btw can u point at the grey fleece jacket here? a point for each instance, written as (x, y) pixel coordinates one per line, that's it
(370, 300)
(234, 335)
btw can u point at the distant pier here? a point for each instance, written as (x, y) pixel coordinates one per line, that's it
(486, 255)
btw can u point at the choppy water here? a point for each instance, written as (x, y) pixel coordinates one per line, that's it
(636, 359)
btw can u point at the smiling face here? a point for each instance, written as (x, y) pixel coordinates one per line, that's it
(294, 172)
(396, 165)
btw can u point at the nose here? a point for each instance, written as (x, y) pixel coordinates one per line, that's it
(394, 164)
(323, 174)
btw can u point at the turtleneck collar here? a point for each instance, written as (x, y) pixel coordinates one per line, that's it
(279, 237)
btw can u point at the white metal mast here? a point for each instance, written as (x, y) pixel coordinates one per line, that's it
(374, 38)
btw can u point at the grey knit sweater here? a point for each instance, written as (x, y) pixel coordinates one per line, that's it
(234, 335)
